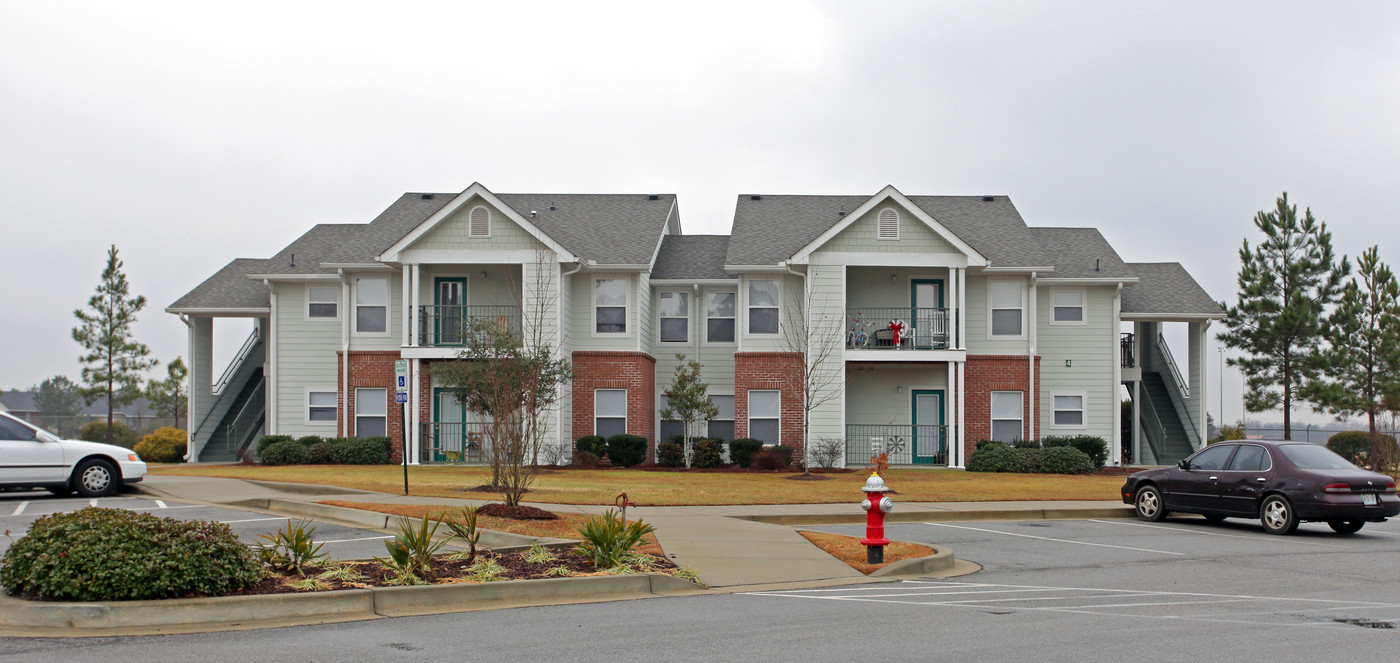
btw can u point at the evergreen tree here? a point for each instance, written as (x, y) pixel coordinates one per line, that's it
(113, 362)
(1286, 284)
(58, 401)
(169, 397)
(1363, 358)
(687, 402)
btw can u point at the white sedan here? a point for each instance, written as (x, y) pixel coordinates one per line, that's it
(33, 457)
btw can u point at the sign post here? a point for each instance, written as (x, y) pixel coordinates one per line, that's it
(401, 396)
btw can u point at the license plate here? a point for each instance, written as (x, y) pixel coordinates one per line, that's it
(1368, 499)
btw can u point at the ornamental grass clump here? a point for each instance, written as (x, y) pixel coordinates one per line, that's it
(99, 554)
(411, 552)
(290, 549)
(607, 541)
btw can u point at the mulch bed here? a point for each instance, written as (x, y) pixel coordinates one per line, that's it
(516, 512)
(807, 477)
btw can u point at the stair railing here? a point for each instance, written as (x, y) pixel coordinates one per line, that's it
(1166, 353)
(238, 360)
(1156, 433)
(243, 423)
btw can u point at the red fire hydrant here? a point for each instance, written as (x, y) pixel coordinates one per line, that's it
(876, 505)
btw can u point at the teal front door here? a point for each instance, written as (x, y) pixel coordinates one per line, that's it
(449, 441)
(450, 296)
(930, 439)
(927, 315)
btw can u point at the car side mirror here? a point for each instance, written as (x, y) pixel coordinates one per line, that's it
(1182, 464)
(45, 436)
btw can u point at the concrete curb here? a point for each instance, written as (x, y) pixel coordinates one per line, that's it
(942, 560)
(897, 516)
(19, 617)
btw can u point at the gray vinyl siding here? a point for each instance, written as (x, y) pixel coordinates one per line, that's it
(873, 287)
(306, 357)
(914, 236)
(789, 311)
(494, 285)
(873, 397)
(394, 340)
(642, 295)
(977, 323)
(828, 315)
(566, 349)
(581, 299)
(1091, 348)
(454, 232)
(716, 360)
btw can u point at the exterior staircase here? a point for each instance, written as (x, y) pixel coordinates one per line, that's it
(243, 419)
(1168, 439)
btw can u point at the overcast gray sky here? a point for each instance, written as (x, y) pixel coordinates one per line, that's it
(192, 133)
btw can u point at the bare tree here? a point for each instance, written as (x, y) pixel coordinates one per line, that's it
(688, 402)
(815, 333)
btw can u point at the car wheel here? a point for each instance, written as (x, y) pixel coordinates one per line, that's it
(1346, 526)
(1277, 515)
(1213, 518)
(63, 491)
(1149, 504)
(95, 477)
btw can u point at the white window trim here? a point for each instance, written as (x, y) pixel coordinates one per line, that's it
(306, 302)
(897, 223)
(488, 222)
(730, 394)
(306, 412)
(627, 313)
(596, 416)
(689, 316)
(992, 419)
(747, 309)
(748, 409)
(1024, 323)
(1083, 410)
(388, 307)
(706, 317)
(358, 416)
(1083, 307)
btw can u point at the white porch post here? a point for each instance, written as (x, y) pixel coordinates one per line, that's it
(961, 369)
(414, 412)
(414, 295)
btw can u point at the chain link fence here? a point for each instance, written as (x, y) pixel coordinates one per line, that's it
(72, 427)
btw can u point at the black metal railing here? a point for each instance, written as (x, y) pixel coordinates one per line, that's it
(451, 326)
(875, 328)
(1126, 350)
(452, 442)
(906, 445)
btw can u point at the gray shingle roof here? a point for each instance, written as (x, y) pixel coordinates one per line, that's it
(692, 257)
(230, 287)
(771, 229)
(1076, 252)
(613, 229)
(1166, 288)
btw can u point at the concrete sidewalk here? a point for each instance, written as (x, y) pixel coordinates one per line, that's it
(730, 546)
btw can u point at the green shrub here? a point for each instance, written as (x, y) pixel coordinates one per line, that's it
(1065, 460)
(113, 554)
(122, 434)
(310, 440)
(784, 451)
(606, 541)
(1025, 444)
(596, 445)
(708, 452)
(268, 440)
(363, 451)
(321, 453)
(163, 445)
(983, 443)
(994, 457)
(772, 458)
(671, 453)
(741, 451)
(287, 452)
(627, 450)
(1027, 459)
(1093, 446)
(1353, 445)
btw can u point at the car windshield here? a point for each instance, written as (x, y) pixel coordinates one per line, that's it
(1313, 457)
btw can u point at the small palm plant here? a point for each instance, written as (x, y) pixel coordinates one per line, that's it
(290, 549)
(411, 551)
(607, 540)
(465, 529)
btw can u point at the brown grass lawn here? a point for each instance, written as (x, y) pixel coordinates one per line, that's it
(664, 488)
(566, 527)
(849, 550)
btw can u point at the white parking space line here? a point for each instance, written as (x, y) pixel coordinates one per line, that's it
(160, 504)
(1046, 538)
(1187, 530)
(368, 538)
(249, 520)
(20, 509)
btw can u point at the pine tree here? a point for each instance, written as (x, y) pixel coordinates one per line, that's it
(113, 362)
(169, 397)
(688, 403)
(1286, 284)
(58, 401)
(1363, 334)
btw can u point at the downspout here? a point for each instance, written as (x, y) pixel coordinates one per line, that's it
(271, 376)
(344, 410)
(1115, 355)
(806, 331)
(1031, 323)
(189, 400)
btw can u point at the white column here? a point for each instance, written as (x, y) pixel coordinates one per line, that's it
(961, 369)
(949, 408)
(962, 308)
(407, 304)
(414, 294)
(1115, 355)
(415, 366)
(1137, 421)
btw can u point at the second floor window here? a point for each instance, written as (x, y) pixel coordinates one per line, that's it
(674, 311)
(372, 306)
(1007, 307)
(719, 317)
(610, 306)
(763, 307)
(322, 302)
(1068, 307)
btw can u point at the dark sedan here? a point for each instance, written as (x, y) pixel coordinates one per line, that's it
(1280, 483)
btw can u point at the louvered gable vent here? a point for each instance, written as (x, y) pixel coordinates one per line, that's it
(480, 222)
(889, 224)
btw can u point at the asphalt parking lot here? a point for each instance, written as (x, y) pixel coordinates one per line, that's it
(18, 510)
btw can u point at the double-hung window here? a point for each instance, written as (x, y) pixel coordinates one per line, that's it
(1007, 415)
(610, 306)
(765, 408)
(719, 317)
(372, 306)
(320, 406)
(322, 302)
(722, 426)
(669, 427)
(1068, 410)
(609, 412)
(1008, 304)
(371, 412)
(763, 307)
(1067, 306)
(674, 311)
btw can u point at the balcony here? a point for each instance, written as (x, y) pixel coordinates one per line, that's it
(906, 445)
(448, 326)
(452, 442)
(869, 328)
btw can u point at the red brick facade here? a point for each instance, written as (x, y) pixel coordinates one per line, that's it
(770, 370)
(986, 374)
(633, 371)
(371, 368)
